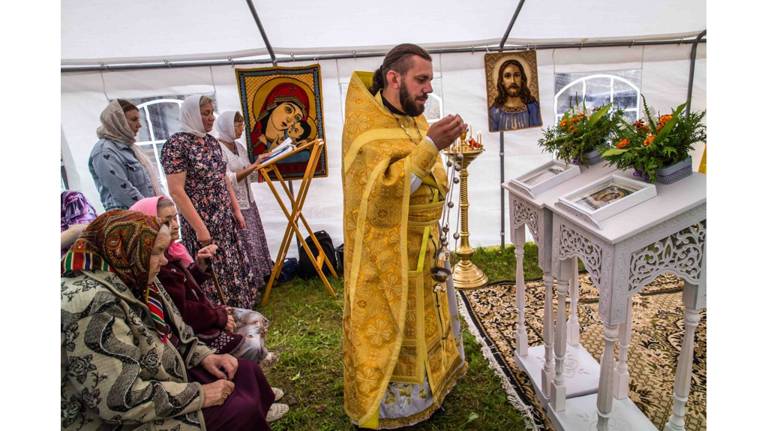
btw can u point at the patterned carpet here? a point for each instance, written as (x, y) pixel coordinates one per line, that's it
(656, 339)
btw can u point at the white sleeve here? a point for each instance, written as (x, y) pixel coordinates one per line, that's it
(415, 183)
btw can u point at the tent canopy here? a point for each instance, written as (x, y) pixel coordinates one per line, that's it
(96, 32)
(144, 33)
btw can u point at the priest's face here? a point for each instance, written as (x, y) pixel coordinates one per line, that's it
(415, 86)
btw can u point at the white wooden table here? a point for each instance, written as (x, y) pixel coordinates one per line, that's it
(664, 234)
(581, 370)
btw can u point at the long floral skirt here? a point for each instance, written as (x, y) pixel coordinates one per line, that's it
(232, 264)
(256, 244)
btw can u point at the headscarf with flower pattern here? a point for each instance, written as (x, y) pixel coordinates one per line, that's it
(121, 241)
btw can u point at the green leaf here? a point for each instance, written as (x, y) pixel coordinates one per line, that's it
(613, 152)
(296, 377)
(473, 416)
(648, 115)
(594, 118)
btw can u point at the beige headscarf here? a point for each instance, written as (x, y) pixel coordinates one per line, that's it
(115, 127)
(225, 126)
(191, 121)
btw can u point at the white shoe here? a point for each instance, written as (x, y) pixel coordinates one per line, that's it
(278, 393)
(276, 411)
(269, 360)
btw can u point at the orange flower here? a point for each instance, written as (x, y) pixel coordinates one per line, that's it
(649, 140)
(563, 123)
(640, 126)
(663, 120)
(572, 129)
(622, 143)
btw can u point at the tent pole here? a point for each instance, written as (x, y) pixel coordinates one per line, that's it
(511, 23)
(263, 33)
(691, 70)
(501, 132)
(228, 61)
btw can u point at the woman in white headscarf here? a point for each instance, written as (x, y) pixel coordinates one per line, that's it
(196, 169)
(122, 173)
(229, 127)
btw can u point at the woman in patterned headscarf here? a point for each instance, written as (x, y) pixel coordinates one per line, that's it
(236, 331)
(128, 359)
(76, 213)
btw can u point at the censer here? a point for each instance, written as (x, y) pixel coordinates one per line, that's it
(466, 275)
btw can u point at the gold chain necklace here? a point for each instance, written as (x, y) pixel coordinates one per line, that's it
(415, 126)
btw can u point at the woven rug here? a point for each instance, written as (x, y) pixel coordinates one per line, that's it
(657, 335)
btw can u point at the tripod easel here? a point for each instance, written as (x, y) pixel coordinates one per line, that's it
(294, 214)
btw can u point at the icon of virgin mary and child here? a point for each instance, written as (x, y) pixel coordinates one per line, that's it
(286, 112)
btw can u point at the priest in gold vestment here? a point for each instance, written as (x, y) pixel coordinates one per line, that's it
(402, 342)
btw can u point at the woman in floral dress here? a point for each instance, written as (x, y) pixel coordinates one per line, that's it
(229, 127)
(196, 172)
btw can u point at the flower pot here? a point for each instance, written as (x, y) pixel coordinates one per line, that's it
(593, 157)
(670, 174)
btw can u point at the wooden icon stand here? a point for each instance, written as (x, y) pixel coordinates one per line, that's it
(294, 214)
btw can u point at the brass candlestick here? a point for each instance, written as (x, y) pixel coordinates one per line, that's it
(466, 275)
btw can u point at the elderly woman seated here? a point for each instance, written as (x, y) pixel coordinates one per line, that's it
(128, 359)
(236, 331)
(76, 213)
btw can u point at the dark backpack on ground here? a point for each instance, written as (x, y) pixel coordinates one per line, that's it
(306, 270)
(288, 271)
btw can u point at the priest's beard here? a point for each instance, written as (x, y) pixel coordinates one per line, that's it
(409, 103)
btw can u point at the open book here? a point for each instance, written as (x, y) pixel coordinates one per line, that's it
(285, 146)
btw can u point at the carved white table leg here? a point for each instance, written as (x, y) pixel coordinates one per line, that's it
(573, 319)
(604, 393)
(621, 379)
(557, 398)
(522, 333)
(676, 421)
(548, 372)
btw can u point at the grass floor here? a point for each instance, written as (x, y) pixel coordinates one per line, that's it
(305, 330)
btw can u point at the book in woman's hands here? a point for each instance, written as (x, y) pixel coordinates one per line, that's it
(286, 145)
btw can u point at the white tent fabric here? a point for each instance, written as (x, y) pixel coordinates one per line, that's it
(174, 29)
(95, 31)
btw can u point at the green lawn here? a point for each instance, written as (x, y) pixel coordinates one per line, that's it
(305, 330)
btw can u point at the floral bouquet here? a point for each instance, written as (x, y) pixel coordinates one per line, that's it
(579, 133)
(654, 143)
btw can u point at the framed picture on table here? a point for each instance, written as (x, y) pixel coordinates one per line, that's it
(545, 177)
(608, 196)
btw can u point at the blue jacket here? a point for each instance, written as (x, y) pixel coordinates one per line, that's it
(119, 176)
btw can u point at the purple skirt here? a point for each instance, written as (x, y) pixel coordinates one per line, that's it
(245, 408)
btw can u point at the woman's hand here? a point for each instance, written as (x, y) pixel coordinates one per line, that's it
(220, 366)
(204, 254)
(214, 394)
(240, 219)
(230, 323)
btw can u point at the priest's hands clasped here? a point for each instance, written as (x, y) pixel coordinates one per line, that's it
(446, 130)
